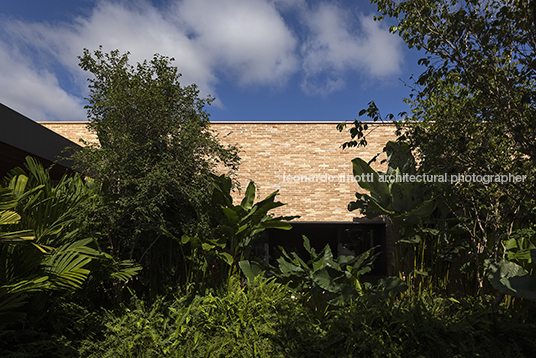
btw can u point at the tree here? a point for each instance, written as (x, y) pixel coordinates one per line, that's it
(472, 111)
(156, 156)
(479, 67)
(236, 230)
(478, 52)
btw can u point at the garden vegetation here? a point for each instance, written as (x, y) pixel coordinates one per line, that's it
(144, 253)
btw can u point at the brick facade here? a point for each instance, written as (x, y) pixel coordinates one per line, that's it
(303, 160)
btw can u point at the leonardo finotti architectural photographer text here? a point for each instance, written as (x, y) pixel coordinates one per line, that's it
(406, 178)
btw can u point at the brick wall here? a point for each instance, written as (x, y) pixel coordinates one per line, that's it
(73, 131)
(303, 160)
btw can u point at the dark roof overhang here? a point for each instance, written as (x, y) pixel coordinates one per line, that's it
(20, 137)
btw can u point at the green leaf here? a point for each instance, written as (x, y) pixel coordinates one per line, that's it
(207, 247)
(18, 185)
(372, 181)
(511, 279)
(249, 197)
(307, 246)
(390, 286)
(37, 284)
(67, 265)
(250, 270)
(276, 224)
(326, 279)
(126, 269)
(347, 293)
(399, 157)
(9, 217)
(371, 206)
(8, 200)
(226, 257)
(415, 216)
(231, 215)
(288, 267)
(185, 239)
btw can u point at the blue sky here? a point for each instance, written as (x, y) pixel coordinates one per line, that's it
(267, 60)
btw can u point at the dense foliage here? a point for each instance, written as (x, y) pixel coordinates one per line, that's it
(46, 256)
(473, 111)
(262, 320)
(156, 157)
(465, 250)
(471, 120)
(235, 229)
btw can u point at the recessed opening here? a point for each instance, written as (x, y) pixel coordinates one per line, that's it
(344, 238)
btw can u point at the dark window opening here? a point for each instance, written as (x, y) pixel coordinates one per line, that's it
(344, 238)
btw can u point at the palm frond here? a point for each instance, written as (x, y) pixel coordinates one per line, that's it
(9, 217)
(67, 264)
(8, 200)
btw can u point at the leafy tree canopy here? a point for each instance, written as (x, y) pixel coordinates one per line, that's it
(472, 109)
(479, 73)
(156, 153)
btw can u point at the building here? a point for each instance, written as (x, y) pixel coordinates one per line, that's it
(305, 162)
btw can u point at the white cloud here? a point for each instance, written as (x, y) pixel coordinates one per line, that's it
(247, 37)
(382, 50)
(246, 42)
(336, 45)
(137, 27)
(34, 92)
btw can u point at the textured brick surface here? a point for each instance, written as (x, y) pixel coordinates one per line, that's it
(74, 131)
(303, 160)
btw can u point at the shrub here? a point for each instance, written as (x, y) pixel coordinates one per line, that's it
(256, 321)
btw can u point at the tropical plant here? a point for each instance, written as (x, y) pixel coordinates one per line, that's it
(406, 202)
(43, 255)
(242, 225)
(472, 111)
(11, 300)
(509, 278)
(514, 273)
(323, 280)
(235, 231)
(424, 245)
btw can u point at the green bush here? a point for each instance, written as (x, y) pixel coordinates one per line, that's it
(46, 257)
(257, 321)
(427, 327)
(261, 320)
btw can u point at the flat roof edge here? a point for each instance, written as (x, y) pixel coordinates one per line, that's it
(28, 136)
(245, 122)
(297, 122)
(62, 122)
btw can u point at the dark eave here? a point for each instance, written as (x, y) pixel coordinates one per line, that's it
(20, 137)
